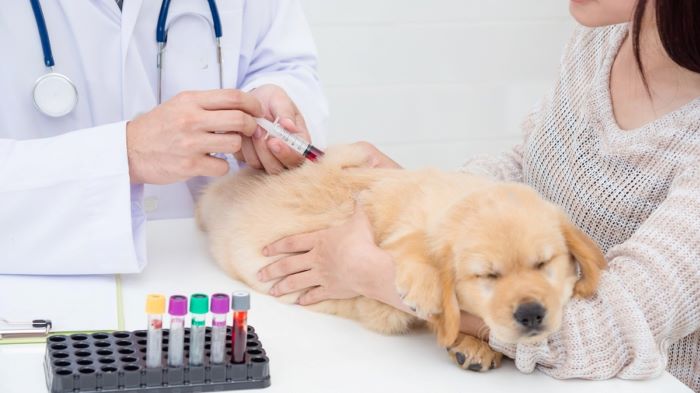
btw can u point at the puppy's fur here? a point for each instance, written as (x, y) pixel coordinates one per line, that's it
(459, 242)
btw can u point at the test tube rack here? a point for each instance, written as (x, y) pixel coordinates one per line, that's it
(115, 362)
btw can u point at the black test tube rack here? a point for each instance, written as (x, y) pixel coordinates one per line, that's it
(115, 362)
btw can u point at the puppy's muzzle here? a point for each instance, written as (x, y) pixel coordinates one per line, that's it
(530, 316)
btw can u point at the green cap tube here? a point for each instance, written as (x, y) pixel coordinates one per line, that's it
(199, 303)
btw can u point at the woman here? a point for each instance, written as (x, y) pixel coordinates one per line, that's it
(617, 145)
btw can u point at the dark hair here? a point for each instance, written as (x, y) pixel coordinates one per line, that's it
(678, 23)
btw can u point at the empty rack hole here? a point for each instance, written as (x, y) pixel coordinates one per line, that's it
(140, 333)
(58, 347)
(101, 344)
(128, 359)
(80, 345)
(84, 362)
(61, 363)
(100, 336)
(82, 354)
(251, 336)
(258, 359)
(104, 352)
(254, 352)
(131, 367)
(125, 351)
(64, 372)
(121, 334)
(60, 355)
(108, 369)
(57, 339)
(142, 342)
(106, 360)
(79, 337)
(86, 370)
(123, 343)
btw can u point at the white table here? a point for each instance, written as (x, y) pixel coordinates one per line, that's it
(309, 352)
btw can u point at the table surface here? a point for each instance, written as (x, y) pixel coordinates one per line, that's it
(308, 351)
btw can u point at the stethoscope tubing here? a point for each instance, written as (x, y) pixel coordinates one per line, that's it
(43, 33)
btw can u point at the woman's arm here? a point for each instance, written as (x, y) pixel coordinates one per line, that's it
(647, 300)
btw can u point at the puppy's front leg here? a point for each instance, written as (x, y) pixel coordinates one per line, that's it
(474, 354)
(417, 281)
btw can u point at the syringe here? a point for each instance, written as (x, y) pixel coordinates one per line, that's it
(297, 144)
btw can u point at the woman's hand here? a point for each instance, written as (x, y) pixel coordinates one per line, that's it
(474, 326)
(335, 263)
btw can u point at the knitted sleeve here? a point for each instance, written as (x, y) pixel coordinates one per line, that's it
(648, 299)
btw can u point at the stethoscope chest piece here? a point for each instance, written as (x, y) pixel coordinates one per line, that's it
(55, 95)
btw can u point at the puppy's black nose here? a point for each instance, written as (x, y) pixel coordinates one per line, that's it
(530, 315)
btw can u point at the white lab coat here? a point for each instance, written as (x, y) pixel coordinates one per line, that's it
(66, 203)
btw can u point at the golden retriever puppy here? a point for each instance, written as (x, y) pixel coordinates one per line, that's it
(459, 242)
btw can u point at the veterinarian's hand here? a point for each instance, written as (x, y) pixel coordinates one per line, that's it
(172, 142)
(333, 263)
(272, 154)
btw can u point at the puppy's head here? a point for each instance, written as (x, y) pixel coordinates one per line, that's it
(512, 259)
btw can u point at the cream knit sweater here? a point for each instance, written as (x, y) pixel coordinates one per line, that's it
(637, 194)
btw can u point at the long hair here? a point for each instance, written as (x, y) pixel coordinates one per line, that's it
(678, 23)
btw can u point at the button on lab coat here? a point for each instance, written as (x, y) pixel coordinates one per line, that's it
(66, 203)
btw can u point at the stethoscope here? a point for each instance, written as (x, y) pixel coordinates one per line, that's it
(162, 39)
(55, 95)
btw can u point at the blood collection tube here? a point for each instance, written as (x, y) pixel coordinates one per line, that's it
(177, 308)
(219, 309)
(155, 307)
(240, 303)
(199, 306)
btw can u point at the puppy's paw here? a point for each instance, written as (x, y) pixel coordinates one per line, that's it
(418, 284)
(471, 353)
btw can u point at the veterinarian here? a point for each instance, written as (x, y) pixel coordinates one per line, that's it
(99, 130)
(616, 144)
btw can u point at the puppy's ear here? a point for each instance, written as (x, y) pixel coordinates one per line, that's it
(589, 257)
(447, 323)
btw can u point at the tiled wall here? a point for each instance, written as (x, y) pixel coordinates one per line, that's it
(434, 81)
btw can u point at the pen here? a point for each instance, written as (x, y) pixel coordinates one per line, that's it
(240, 303)
(219, 309)
(155, 307)
(177, 308)
(199, 306)
(33, 328)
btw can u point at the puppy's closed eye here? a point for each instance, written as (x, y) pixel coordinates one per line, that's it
(489, 276)
(541, 265)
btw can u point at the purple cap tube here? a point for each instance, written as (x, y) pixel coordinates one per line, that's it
(177, 305)
(219, 303)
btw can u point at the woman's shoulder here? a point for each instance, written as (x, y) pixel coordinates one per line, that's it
(590, 48)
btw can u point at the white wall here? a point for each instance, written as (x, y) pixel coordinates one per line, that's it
(434, 81)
